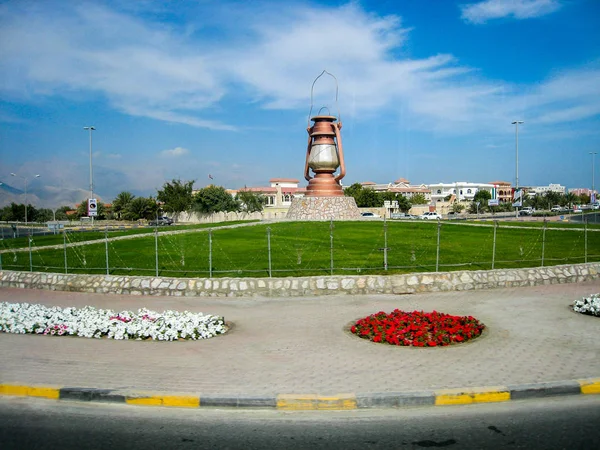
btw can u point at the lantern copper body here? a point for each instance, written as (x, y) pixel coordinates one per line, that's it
(324, 155)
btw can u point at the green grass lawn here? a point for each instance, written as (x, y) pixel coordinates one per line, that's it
(99, 233)
(305, 248)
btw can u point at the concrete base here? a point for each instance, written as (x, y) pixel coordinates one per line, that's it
(323, 208)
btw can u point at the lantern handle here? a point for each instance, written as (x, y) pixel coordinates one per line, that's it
(336, 95)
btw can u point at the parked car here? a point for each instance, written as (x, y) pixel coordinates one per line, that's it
(370, 215)
(527, 211)
(596, 205)
(164, 220)
(399, 216)
(430, 216)
(556, 208)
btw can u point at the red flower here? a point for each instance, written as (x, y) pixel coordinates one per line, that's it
(417, 328)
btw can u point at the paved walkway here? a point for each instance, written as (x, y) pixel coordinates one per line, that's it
(300, 345)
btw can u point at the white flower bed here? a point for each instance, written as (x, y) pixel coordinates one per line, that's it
(588, 305)
(95, 323)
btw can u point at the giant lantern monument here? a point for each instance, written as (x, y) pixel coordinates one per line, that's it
(324, 199)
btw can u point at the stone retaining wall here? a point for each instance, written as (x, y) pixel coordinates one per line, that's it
(302, 286)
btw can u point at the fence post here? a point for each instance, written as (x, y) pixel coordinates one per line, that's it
(106, 248)
(585, 240)
(385, 246)
(543, 241)
(156, 249)
(210, 253)
(494, 245)
(65, 248)
(331, 246)
(269, 248)
(30, 260)
(437, 254)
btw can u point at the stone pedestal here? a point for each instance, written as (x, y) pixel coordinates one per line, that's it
(323, 208)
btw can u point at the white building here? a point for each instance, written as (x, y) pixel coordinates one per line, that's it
(532, 191)
(279, 194)
(400, 186)
(461, 190)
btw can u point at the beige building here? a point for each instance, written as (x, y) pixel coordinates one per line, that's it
(279, 194)
(400, 186)
(504, 191)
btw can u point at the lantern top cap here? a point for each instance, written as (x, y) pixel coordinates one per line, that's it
(327, 118)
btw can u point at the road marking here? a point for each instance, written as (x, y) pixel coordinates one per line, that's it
(29, 391)
(178, 401)
(590, 386)
(473, 395)
(306, 402)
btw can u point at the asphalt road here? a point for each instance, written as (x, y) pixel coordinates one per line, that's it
(554, 423)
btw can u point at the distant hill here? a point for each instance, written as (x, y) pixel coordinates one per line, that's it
(8, 188)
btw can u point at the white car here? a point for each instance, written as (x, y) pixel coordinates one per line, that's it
(430, 216)
(370, 215)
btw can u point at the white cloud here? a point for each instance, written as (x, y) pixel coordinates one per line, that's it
(519, 9)
(175, 152)
(268, 60)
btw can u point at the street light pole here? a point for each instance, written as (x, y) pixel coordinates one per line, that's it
(593, 169)
(26, 180)
(90, 128)
(516, 124)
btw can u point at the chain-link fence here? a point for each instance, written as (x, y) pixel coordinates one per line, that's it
(306, 248)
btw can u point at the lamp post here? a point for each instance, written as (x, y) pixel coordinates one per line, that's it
(516, 124)
(26, 180)
(593, 170)
(91, 128)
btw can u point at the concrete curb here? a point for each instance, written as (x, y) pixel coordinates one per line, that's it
(308, 402)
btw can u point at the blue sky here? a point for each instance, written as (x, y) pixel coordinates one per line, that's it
(183, 89)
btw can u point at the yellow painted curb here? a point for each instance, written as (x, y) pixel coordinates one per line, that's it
(590, 386)
(177, 401)
(308, 402)
(29, 391)
(473, 395)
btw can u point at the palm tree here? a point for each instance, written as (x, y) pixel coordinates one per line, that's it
(121, 202)
(570, 198)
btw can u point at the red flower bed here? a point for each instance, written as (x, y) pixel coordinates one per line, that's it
(417, 329)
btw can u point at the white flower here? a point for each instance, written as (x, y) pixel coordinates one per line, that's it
(588, 305)
(95, 323)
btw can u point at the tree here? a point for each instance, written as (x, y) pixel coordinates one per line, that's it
(570, 199)
(141, 208)
(121, 203)
(482, 196)
(353, 190)
(43, 215)
(364, 197)
(61, 213)
(368, 198)
(403, 203)
(418, 199)
(250, 201)
(457, 207)
(214, 199)
(176, 196)
(583, 199)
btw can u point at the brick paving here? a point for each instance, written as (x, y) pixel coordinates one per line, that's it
(299, 345)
